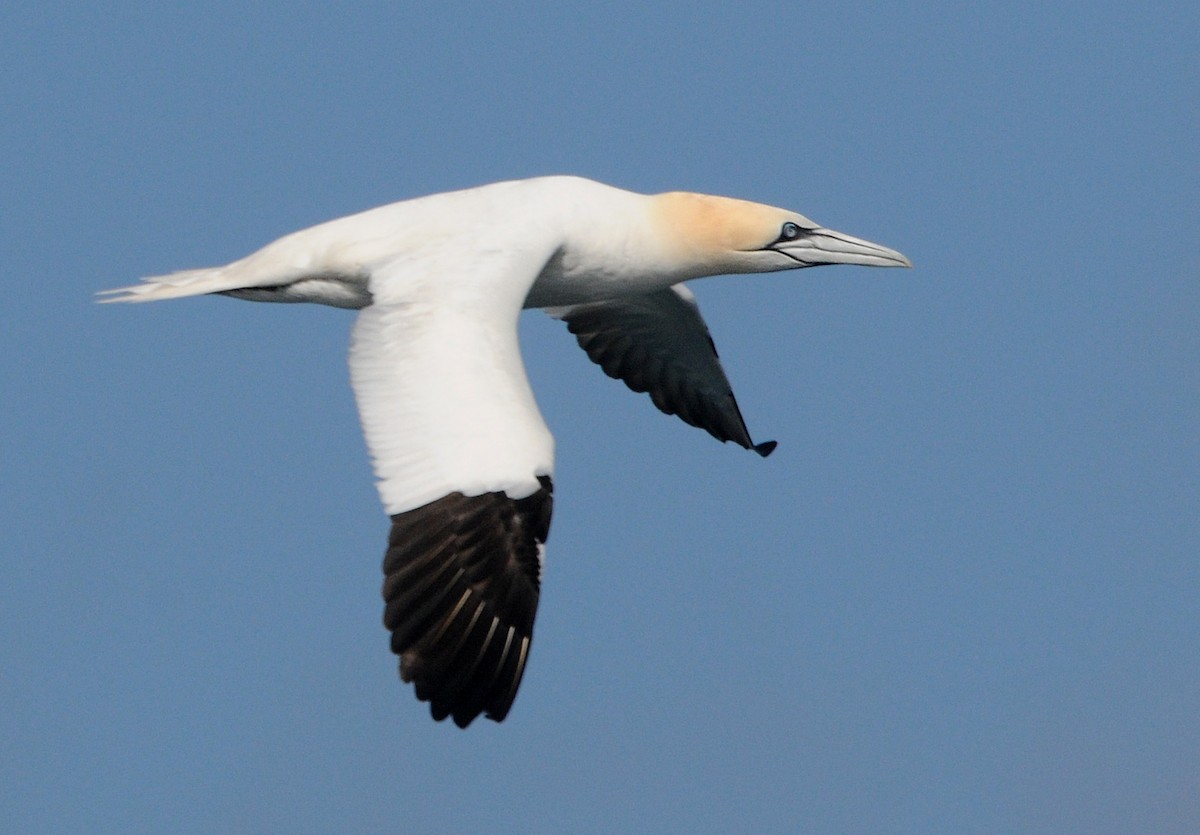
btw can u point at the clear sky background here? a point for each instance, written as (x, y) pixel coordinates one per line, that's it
(963, 595)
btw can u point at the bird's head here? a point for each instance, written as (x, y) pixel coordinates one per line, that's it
(716, 235)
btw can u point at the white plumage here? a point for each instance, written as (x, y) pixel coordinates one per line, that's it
(462, 456)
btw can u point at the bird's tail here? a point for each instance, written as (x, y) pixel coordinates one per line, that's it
(174, 286)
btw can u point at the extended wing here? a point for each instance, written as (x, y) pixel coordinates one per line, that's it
(464, 463)
(658, 343)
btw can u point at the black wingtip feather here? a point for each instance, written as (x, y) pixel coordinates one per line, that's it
(765, 448)
(624, 337)
(462, 577)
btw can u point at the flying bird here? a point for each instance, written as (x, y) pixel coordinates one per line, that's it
(462, 457)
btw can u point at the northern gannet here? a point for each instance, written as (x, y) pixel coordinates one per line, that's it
(462, 456)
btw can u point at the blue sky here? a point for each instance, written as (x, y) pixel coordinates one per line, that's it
(962, 595)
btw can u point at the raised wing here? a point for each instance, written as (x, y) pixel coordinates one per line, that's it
(658, 343)
(464, 463)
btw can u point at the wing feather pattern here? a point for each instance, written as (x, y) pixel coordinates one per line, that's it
(464, 462)
(462, 580)
(657, 343)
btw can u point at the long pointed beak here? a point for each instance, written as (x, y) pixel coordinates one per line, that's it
(825, 246)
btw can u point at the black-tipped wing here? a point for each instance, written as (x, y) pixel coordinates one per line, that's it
(658, 343)
(462, 577)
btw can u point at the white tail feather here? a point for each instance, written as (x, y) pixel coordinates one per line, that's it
(173, 286)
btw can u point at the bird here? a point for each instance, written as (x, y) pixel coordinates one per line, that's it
(463, 460)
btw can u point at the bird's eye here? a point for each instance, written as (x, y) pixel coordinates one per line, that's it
(790, 232)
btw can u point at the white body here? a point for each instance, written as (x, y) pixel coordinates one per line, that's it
(449, 418)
